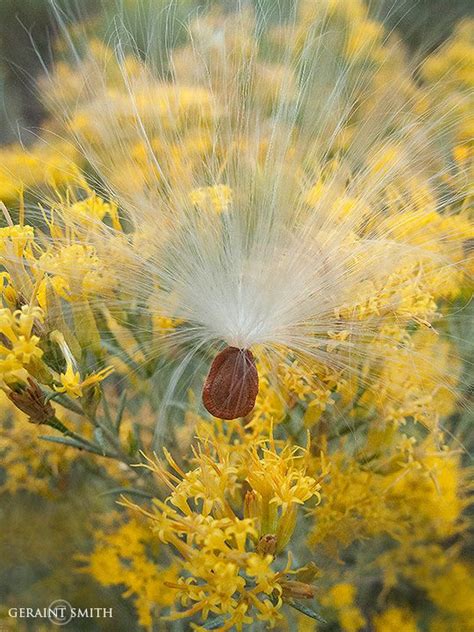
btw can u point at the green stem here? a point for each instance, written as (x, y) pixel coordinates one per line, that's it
(90, 447)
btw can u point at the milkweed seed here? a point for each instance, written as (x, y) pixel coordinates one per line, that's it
(231, 387)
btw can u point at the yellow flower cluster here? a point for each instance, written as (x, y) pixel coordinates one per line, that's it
(223, 525)
(122, 557)
(228, 519)
(448, 72)
(69, 272)
(19, 350)
(42, 167)
(418, 385)
(385, 494)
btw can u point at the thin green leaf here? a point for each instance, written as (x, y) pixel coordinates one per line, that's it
(66, 441)
(63, 401)
(309, 612)
(100, 439)
(121, 410)
(106, 409)
(213, 624)
(127, 490)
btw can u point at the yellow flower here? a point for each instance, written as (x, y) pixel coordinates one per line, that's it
(351, 619)
(217, 198)
(341, 597)
(363, 39)
(279, 477)
(395, 620)
(16, 240)
(19, 346)
(72, 384)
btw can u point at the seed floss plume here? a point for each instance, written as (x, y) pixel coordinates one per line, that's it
(298, 208)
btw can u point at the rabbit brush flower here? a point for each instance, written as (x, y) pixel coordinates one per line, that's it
(285, 191)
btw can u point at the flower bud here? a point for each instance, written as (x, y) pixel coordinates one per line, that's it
(251, 505)
(32, 402)
(286, 526)
(267, 544)
(292, 589)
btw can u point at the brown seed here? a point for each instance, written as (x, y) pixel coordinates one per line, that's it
(231, 387)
